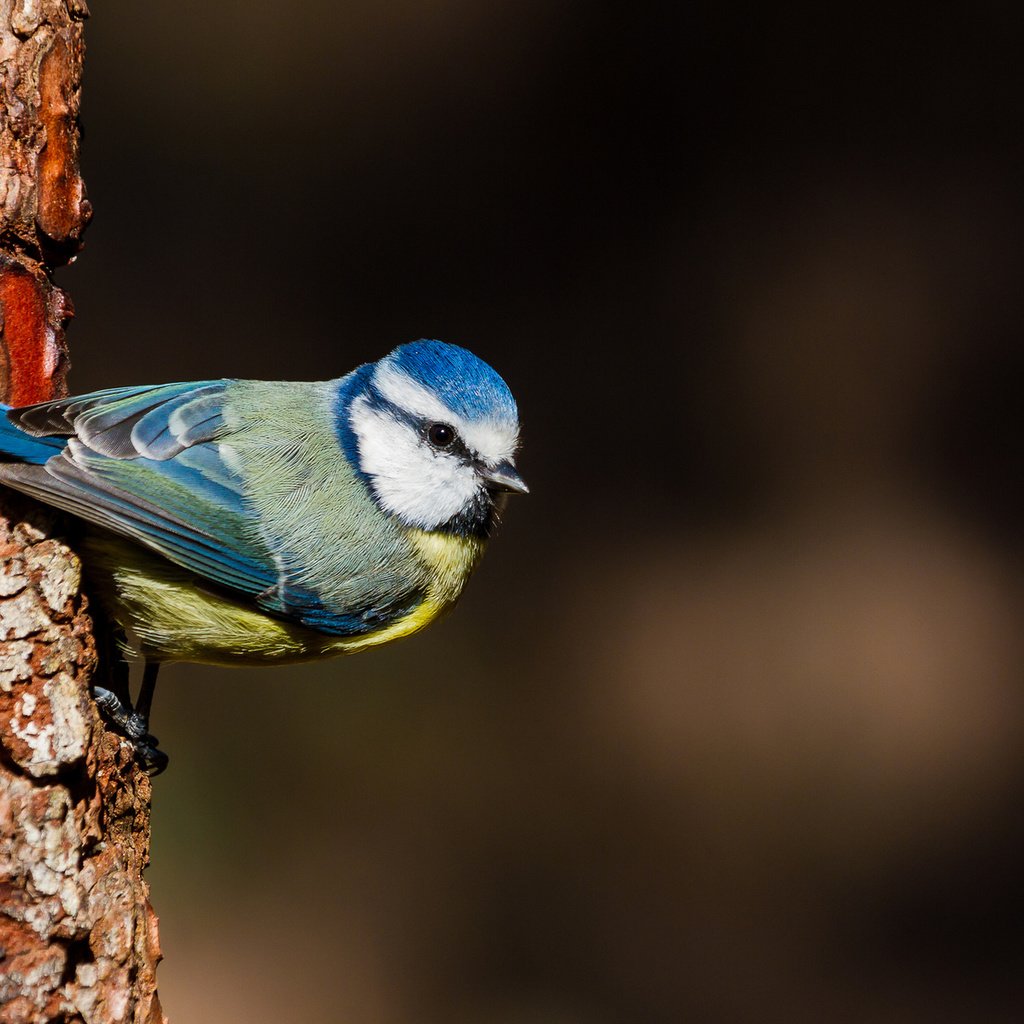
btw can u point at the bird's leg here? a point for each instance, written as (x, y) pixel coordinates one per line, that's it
(114, 697)
(115, 705)
(144, 702)
(153, 760)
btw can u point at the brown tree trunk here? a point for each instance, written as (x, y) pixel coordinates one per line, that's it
(78, 938)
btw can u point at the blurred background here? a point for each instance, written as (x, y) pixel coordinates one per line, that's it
(729, 726)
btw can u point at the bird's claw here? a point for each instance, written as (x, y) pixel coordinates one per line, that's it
(151, 760)
(134, 727)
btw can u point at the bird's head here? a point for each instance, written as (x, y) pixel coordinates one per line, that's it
(433, 431)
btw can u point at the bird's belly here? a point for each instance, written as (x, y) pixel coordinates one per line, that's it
(175, 618)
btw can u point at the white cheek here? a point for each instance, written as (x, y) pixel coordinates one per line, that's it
(421, 487)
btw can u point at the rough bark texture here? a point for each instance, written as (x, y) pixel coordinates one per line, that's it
(78, 939)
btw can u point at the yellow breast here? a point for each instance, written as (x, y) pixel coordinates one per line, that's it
(175, 619)
(450, 561)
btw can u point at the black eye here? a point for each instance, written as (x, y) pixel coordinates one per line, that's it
(441, 435)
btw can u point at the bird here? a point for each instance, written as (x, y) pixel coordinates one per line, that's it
(246, 522)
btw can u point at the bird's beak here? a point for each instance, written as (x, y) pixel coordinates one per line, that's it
(504, 477)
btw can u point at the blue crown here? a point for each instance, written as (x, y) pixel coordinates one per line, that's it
(466, 384)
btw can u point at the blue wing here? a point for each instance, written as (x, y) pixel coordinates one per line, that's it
(146, 464)
(141, 462)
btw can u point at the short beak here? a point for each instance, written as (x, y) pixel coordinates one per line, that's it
(504, 477)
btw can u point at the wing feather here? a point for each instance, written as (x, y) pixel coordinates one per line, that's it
(154, 464)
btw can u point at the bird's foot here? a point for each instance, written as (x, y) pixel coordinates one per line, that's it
(135, 727)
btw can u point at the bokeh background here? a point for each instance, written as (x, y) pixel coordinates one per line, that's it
(728, 726)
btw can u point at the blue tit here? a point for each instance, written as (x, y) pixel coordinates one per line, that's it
(255, 522)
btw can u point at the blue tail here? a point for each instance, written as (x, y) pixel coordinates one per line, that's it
(17, 446)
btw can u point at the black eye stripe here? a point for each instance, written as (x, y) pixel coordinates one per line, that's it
(453, 443)
(458, 446)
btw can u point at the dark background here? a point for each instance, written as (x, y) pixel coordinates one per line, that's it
(729, 724)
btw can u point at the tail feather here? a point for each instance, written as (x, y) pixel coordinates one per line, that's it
(17, 446)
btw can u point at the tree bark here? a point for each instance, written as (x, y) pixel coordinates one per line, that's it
(78, 937)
